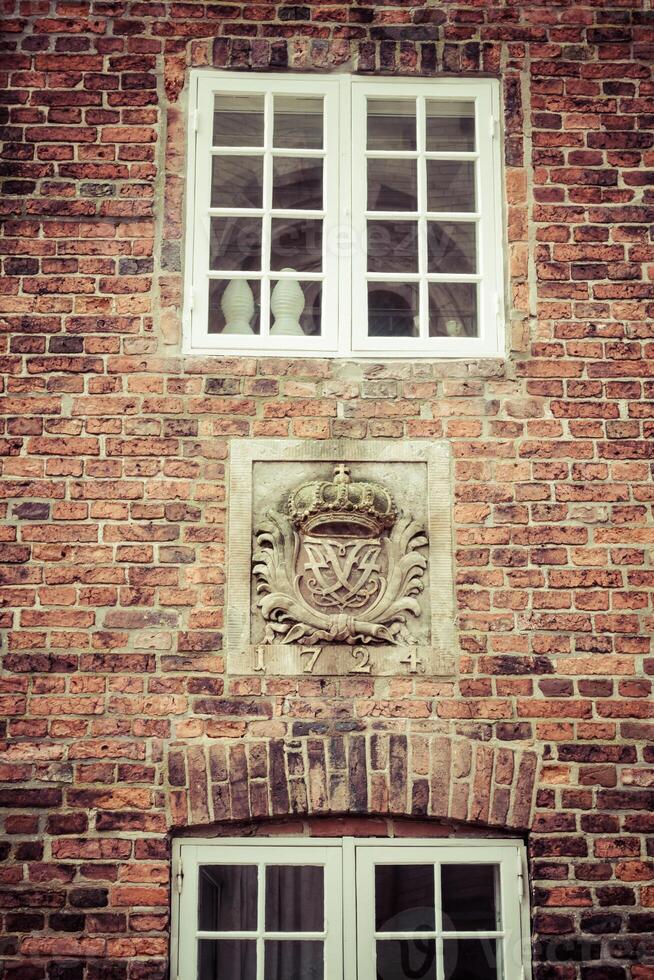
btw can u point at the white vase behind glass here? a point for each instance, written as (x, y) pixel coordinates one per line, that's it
(286, 305)
(237, 304)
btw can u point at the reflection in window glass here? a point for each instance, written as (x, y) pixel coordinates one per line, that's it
(392, 246)
(297, 184)
(296, 244)
(393, 309)
(238, 120)
(451, 247)
(451, 185)
(450, 126)
(391, 124)
(392, 185)
(236, 182)
(298, 122)
(235, 243)
(452, 309)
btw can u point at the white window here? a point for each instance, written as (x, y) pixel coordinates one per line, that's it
(344, 216)
(349, 909)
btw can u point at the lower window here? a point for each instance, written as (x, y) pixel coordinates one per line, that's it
(349, 909)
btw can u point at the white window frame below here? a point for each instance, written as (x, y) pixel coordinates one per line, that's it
(349, 891)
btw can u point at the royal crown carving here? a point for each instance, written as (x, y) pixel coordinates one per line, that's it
(339, 564)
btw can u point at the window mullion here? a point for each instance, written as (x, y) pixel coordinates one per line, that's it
(264, 314)
(261, 924)
(422, 220)
(438, 913)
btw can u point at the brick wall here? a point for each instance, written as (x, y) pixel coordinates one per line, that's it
(115, 450)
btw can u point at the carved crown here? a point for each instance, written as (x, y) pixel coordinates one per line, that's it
(341, 508)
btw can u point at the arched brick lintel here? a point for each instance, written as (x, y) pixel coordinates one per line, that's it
(440, 776)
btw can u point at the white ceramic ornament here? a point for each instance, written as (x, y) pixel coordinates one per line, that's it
(237, 304)
(286, 305)
(454, 328)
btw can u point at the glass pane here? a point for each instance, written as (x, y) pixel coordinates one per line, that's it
(470, 959)
(238, 120)
(392, 185)
(296, 244)
(451, 247)
(404, 897)
(295, 308)
(297, 184)
(450, 126)
(451, 185)
(236, 182)
(235, 243)
(234, 306)
(392, 246)
(453, 309)
(406, 959)
(298, 122)
(227, 897)
(227, 959)
(468, 893)
(391, 124)
(393, 309)
(294, 899)
(294, 960)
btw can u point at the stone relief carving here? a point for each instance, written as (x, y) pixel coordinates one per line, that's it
(339, 564)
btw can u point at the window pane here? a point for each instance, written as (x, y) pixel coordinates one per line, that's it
(450, 126)
(453, 309)
(296, 244)
(297, 184)
(451, 185)
(392, 246)
(236, 182)
(391, 124)
(392, 185)
(294, 899)
(295, 308)
(234, 306)
(451, 247)
(227, 897)
(468, 893)
(235, 243)
(227, 959)
(470, 959)
(404, 897)
(393, 309)
(406, 959)
(238, 120)
(294, 960)
(298, 122)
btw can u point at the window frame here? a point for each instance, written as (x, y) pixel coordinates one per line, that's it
(354, 874)
(344, 295)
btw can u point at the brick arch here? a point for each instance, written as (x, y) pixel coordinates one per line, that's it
(442, 776)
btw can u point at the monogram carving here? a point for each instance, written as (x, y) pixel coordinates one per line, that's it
(339, 564)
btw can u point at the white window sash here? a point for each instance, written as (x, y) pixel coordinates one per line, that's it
(208, 84)
(344, 274)
(349, 894)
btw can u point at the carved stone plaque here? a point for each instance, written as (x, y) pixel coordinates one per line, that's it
(340, 558)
